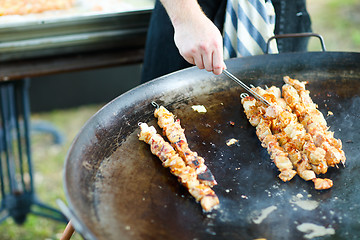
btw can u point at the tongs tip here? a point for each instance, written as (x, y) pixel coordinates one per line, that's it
(238, 81)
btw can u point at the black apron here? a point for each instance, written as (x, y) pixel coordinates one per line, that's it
(163, 57)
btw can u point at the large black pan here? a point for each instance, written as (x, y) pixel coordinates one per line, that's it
(116, 189)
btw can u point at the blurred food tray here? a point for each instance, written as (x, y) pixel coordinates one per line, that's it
(54, 33)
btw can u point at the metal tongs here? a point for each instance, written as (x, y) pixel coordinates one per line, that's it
(235, 79)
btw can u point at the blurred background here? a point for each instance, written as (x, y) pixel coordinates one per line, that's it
(337, 21)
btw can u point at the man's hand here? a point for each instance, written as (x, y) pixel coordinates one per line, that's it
(199, 41)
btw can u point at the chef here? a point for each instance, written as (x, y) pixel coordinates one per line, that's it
(205, 32)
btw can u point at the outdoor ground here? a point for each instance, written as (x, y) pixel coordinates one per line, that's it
(337, 21)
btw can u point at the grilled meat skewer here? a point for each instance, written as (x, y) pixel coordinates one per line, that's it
(298, 98)
(175, 134)
(268, 140)
(186, 175)
(276, 122)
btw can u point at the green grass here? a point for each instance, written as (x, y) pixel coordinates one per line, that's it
(48, 159)
(338, 22)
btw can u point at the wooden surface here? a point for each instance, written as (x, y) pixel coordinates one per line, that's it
(14, 70)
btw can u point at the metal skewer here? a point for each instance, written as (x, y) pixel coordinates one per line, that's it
(235, 79)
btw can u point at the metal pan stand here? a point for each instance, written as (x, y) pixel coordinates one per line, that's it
(18, 197)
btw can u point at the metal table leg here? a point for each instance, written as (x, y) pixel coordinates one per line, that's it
(16, 171)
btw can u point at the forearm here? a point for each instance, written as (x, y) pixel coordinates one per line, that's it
(182, 11)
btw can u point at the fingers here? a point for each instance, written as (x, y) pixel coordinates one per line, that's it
(206, 58)
(195, 59)
(190, 59)
(199, 62)
(212, 58)
(218, 62)
(212, 62)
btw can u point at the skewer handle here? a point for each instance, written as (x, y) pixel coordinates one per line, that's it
(68, 232)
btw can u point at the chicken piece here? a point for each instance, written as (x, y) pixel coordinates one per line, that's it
(322, 184)
(251, 110)
(333, 155)
(316, 156)
(276, 92)
(206, 196)
(300, 162)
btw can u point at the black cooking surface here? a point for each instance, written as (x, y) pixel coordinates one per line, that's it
(126, 192)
